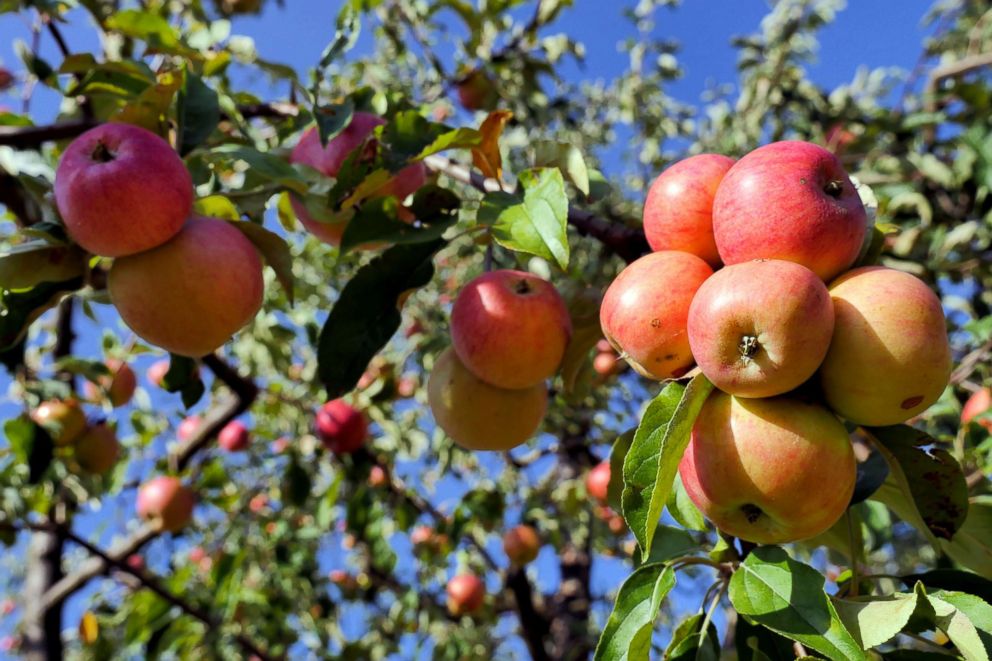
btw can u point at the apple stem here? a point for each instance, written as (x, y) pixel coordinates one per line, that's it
(751, 512)
(748, 347)
(102, 154)
(834, 188)
(522, 287)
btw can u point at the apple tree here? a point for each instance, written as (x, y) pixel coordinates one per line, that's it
(326, 364)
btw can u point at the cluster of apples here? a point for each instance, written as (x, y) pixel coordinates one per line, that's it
(93, 447)
(509, 331)
(124, 193)
(792, 339)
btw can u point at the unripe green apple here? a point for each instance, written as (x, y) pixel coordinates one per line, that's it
(118, 386)
(521, 544)
(64, 420)
(466, 594)
(768, 471)
(889, 358)
(646, 309)
(760, 328)
(190, 295)
(97, 450)
(166, 502)
(478, 416)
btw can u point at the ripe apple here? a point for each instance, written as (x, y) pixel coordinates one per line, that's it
(760, 328)
(341, 427)
(466, 593)
(118, 386)
(768, 471)
(329, 159)
(166, 503)
(122, 190)
(347, 583)
(157, 371)
(478, 416)
(377, 477)
(646, 308)
(979, 402)
(476, 91)
(510, 328)
(790, 200)
(190, 295)
(598, 481)
(97, 450)
(64, 420)
(188, 426)
(424, 538)
(234, 436)
(605, 363)
(6, 79)
(135, 562)
(258, 503)
(678, 211)
(521, 545)
(889, 358)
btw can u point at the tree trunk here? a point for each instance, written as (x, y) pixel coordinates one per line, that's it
(42, 628)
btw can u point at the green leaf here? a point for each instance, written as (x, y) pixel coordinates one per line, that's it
(184, 377)
(274, 250)
(198, 111)
(653, 460)
(18, 309)
(932, 479)
(754, 642)
(538, 224)
(296, 484)
(627, 635)
(583, 310)
(669, 543)
(265, 165)
(565, 156)
(368, 313)
(959, 628)
(876, 620)
(972, 544)
(150, 28)
(410, 136)
(332, 119)
(31, 263)
(618, 453)
(955, 580)
(682, 509)
(435, 208)
(787, 596)
(691, 643)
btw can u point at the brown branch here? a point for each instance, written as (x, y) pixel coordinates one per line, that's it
(943, 72)
(24, 137)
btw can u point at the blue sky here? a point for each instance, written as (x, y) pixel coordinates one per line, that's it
(866, 34)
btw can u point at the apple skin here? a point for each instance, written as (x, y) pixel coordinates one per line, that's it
(761, 328)
(191, 294)
(121, 190)
(646, 308)
(521, 545)
(466, 594)
(188, 426)
(768, 471)
(889, 358)
(678, 211)
(97, 450)
(166, 502)
(979, 402)
(424, 538)
(377, 477)
(598, 481)
(328, 161)
(63, 419)
(476, 91)
(118, 386)
(341, 427)
(478, 416)
(774, 204)
(6, 79)
(234, 437)
(510, 328)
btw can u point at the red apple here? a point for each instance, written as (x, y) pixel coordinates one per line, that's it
(377, 477)
(64, 420)
(234, 436)
(166, 503)
(118, 386)
(6, 79)
(466, 594)
(424, 538)
(761, 328)
(341, 427)
(97, 450)
(605, 363)
(476, 91)
(135, 562)
(678, 211)
(157, 371)
(768, 471)
(258, 503)
(510, 328)
(790, 200)
(521, 544)
(889, 358)
(188, 426)
(645, 311)
(979, 402)
(122, 190)
(598, 481)
(190, 295)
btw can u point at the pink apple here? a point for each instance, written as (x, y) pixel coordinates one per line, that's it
(598, 481)
(6, 79)
(166, 502)
(234, 436)
(678, 212)
(122, 190)
(188, 426)
(790, 200)
(979, 402)
(466, 594)
(118, 386)
(341, 427)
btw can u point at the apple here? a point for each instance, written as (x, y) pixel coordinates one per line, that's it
(889, 358)
(678, 211)
(188, 426)
(157, 371)
(166, 503)
(476, 91)
(771, 470)
(64, 420)
(424, 538)
(478, 416)
(234, 436)
(760, 328)
(258, 503)
(790, 200)
(605, 363)
(6, 79)
(191, 294)
(118, 386)
(838, 138)
(466, 594)
(646, 308)
(347, 583)
(521, 545)
(7, 607)
(510, 328)
(341, 427)
(135, 562)
(328, 161)
(121, 190)
(97, 450)
(377, 477)
(598, 481)
(280, 445)
(979, 402)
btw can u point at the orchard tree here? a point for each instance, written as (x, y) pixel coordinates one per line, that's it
(332, 365)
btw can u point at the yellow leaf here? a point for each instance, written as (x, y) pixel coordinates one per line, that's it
(149, 109)
(89, 628)
(486, 156)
